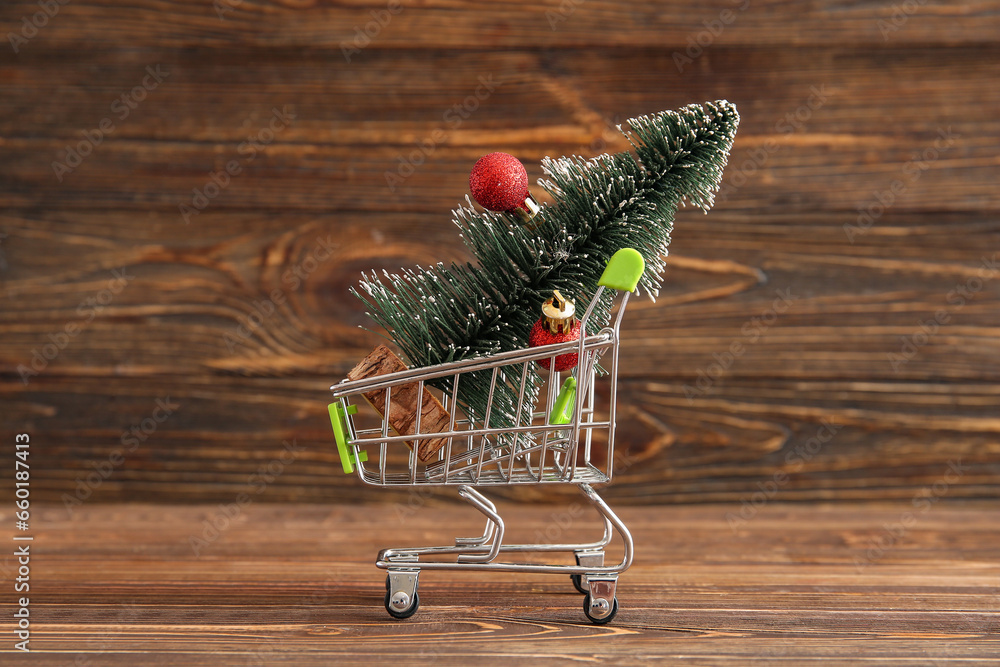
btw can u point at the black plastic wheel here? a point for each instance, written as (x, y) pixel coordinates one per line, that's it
(599, 621)
(577, 580)
(410, 611)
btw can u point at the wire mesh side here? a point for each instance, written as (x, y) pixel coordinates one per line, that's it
(478, 452)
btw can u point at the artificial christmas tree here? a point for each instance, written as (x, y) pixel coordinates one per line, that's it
(447, 313)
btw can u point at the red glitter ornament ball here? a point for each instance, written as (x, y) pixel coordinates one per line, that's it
(540, 335)
(499, 182)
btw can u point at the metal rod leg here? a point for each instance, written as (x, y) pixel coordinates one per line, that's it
(619, 525)
(485, 506)
(487, 532)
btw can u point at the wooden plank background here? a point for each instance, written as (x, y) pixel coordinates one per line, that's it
(842, 104)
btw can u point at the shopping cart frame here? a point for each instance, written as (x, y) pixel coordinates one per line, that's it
(560, 443)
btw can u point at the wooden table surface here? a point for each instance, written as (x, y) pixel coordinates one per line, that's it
(121, 584)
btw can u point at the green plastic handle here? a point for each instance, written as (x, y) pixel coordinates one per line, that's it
(623, 270)
(339, 422)
(562, 411)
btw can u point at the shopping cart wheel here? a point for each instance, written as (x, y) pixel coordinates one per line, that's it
(394, 602)
(601, 612)
(401, 597)
(577, 580)
(601, 602)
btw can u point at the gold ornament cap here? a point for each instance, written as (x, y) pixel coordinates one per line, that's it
(558, 314)
(528, 210)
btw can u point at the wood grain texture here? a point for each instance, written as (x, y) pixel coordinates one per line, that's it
(820, 131)
(888, 325)
(329, 24)
(296, 585)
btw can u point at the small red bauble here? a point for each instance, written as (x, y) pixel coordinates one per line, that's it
(556, 325)
(499, 182)
(540, 335)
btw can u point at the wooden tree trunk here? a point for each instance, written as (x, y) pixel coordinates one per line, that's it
(403, 402)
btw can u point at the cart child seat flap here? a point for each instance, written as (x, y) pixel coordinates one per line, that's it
(623, 270)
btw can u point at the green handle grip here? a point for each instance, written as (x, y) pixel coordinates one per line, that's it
(623, 270)
(339, 422)
(562, 410)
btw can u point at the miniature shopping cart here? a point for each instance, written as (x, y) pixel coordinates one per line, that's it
(568, 439)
